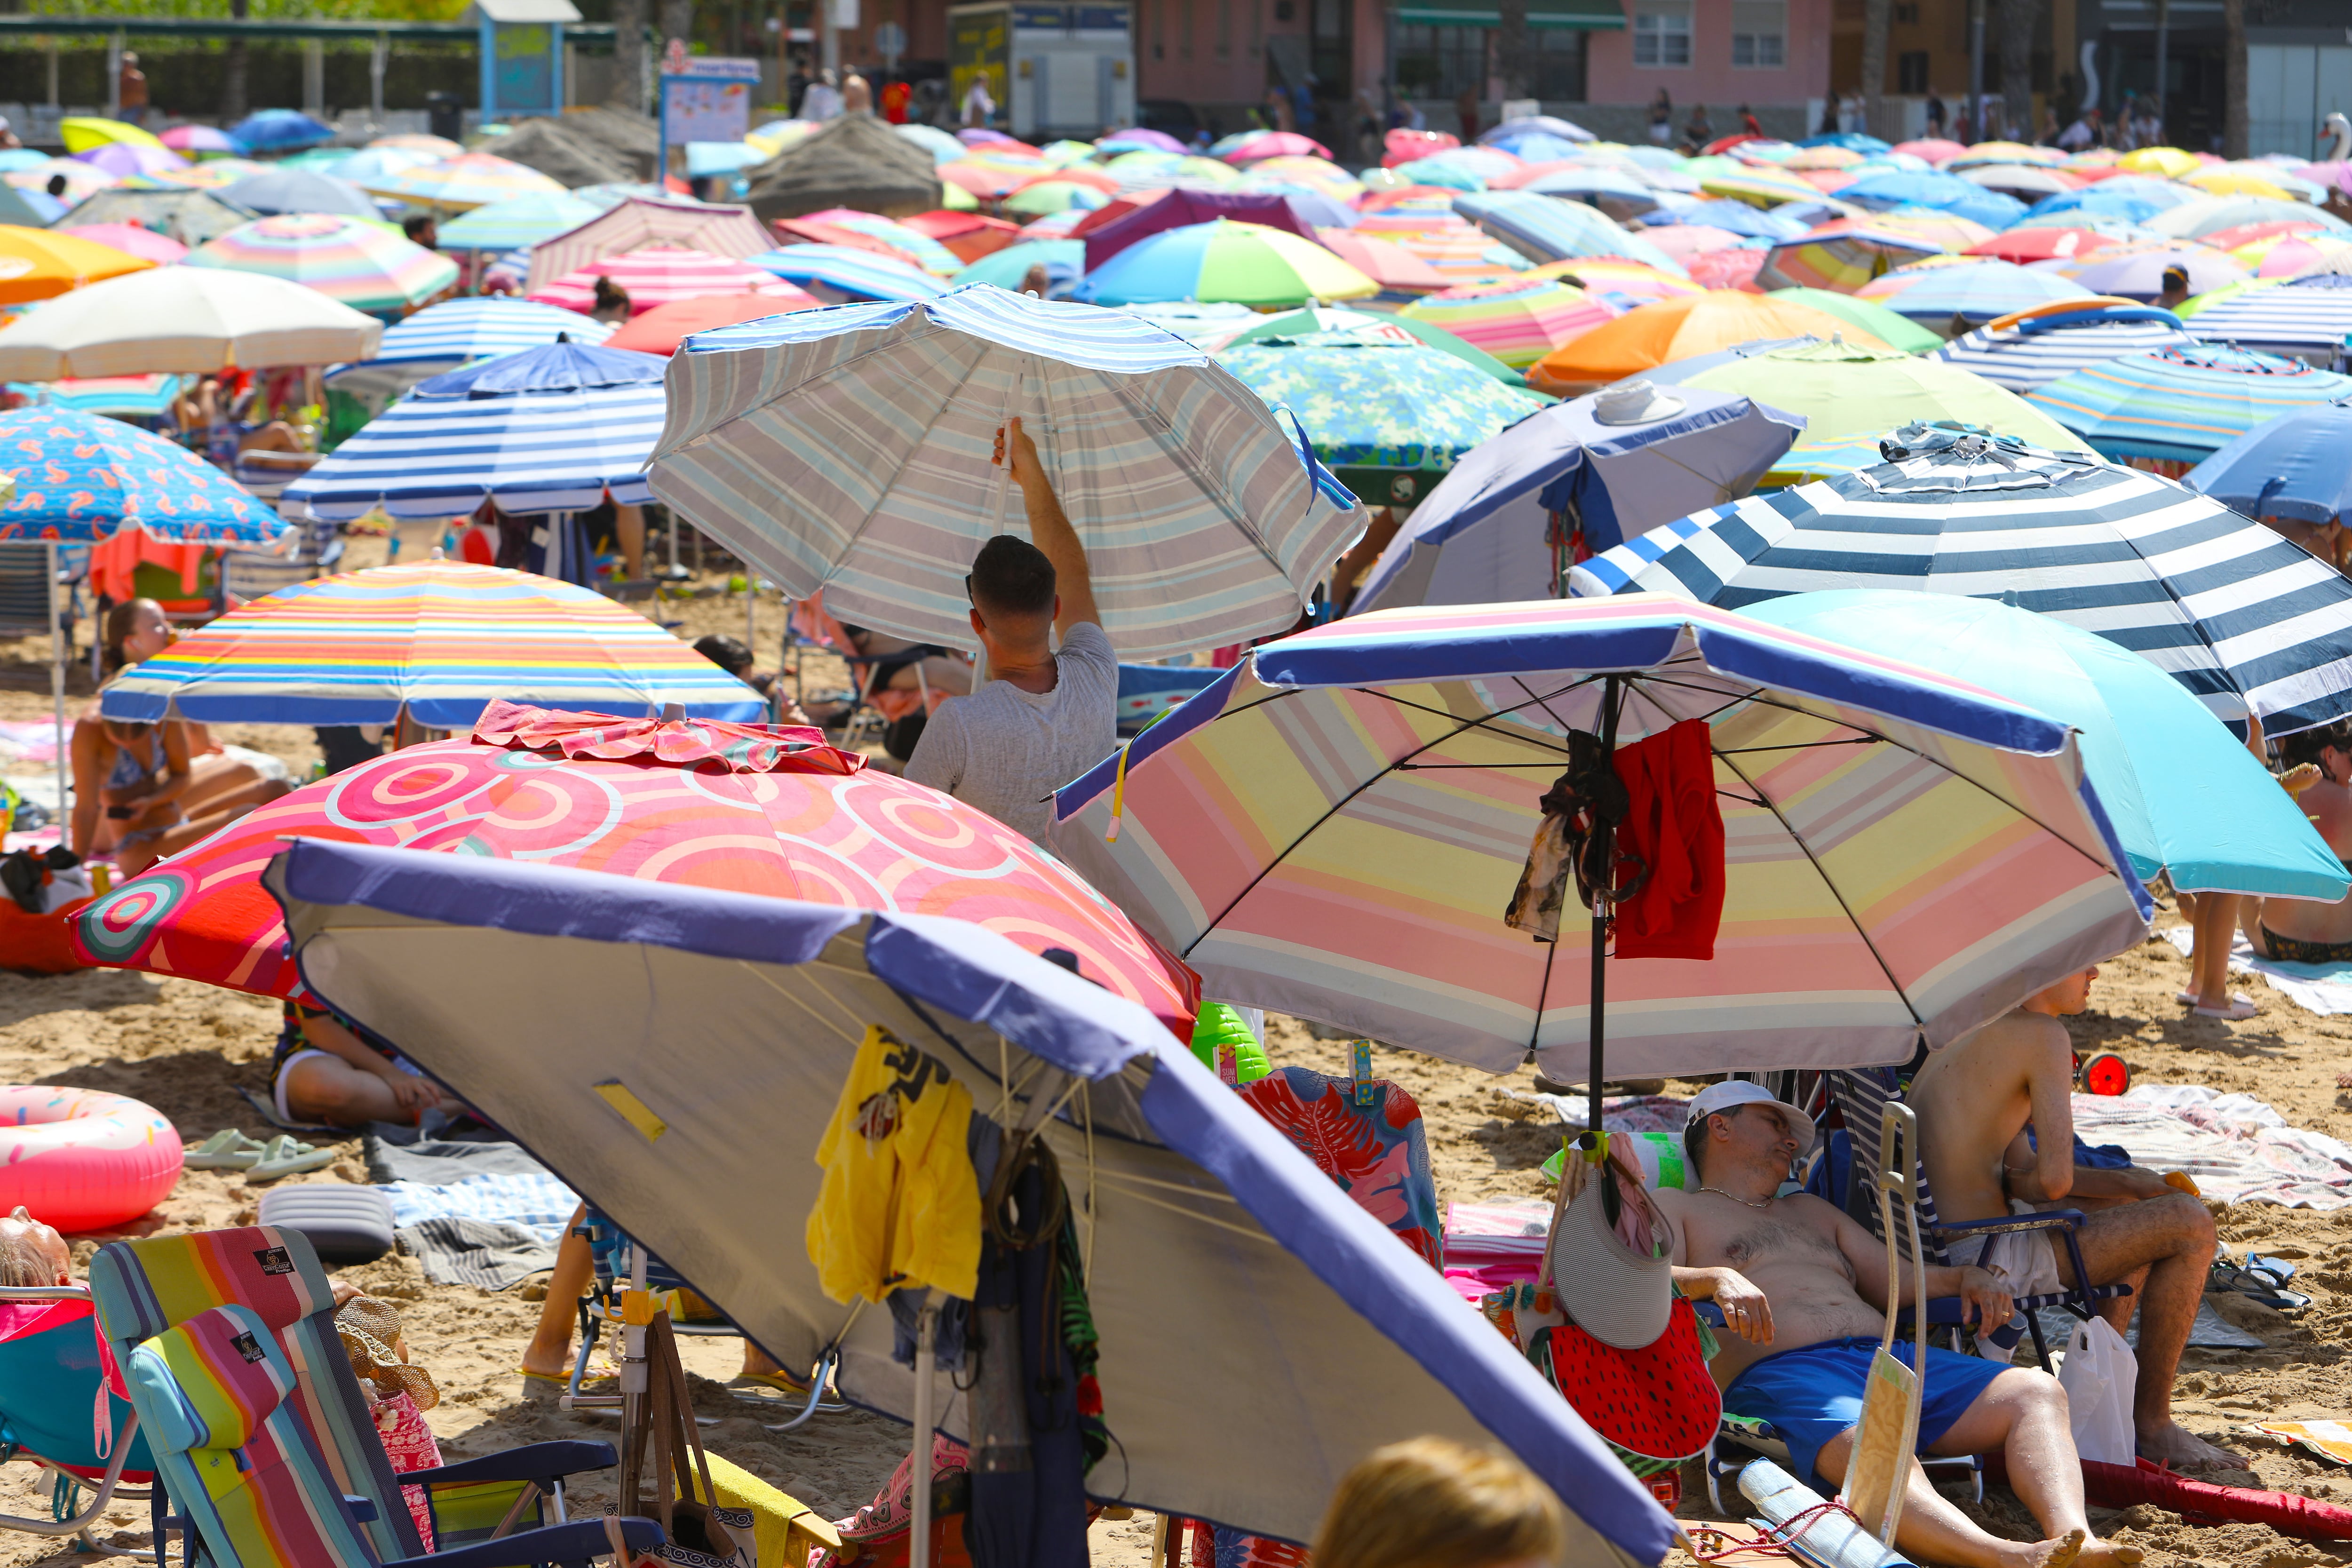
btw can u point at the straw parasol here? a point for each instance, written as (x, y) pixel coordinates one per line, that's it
(856, 161)
(547, 143)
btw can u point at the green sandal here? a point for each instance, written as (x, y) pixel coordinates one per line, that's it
(283, 1156)
(226, 1150)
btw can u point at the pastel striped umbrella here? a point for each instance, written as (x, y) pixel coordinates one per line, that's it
(919, 247)
(1258, 146)
(468, 180)
(657, 277)
(519, 220)
(1518, 322)
(1979, 290)
(130, 238)
(2030, 351)
(2307, 315)
(456, 331)
(642, 218)
(1246, 263)
(2285, 255)
(1336, 828)
(439, 639)
(550, 429)
(1624, 283)
(354, 263)
(1843, 255)
(2183, 403)
(850, 449)
(82, 180)
(123, 396)
(1454, 250)
(1545, 229)
(838, 275)
(1843, 389)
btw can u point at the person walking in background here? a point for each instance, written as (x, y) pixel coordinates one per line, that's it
(823, 99)
(1465, 107)
(979, 109)
(130, 91)
(1662, 118)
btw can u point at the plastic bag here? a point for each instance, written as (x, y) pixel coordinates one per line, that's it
(2098, 1377)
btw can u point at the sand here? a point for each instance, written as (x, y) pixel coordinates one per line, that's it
(186, 1047)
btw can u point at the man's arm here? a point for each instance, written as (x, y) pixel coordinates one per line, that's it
(938, 757)
(1985, 1298)
(1050, 531)
(2048, 1174)
(1746, 1312)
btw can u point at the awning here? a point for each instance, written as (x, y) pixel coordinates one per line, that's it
(1589, 15)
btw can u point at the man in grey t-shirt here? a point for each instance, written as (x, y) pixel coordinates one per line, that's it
(1044, 717)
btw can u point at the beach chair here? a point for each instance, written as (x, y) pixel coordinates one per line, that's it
(1146, 691)
(220, 1402)
(141, 1288)
(309, 550)
(25, 589)
(49, 1384)
(874, 708)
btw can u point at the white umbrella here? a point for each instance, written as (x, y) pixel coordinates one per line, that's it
(171, 319)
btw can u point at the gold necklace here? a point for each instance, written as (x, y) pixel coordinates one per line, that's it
(1742, 1201)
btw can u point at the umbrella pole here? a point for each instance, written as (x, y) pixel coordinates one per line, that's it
(918, 1540)
(1605, 832)
(57, 685)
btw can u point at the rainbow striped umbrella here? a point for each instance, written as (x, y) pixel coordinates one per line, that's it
(1336, 827)
(470, 180)
(1518, 322)
(1845, 255)
(2183, 403)
(1624, 283)
(347, 260)
(441, 640)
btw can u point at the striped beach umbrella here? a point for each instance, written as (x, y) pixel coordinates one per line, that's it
(1979, 292)
(2305, 315)
(1337, 826)
(850, 450)
(912, 243)
(519, 220)
(123, 396)
(1843, 255)
(2030, 351)
(1246, 263)
(130, 239)
(837, 274)
(550, 429)
(468, 180)
(440, 639)
(1621, 283)
(2243, 619)
(1841, 389)
(2183, 403)
(357, 264)
(456, 331)
(1758, 185)
(657, 277)
(1458, 252)
(1401, 273)
(1545, 229)
(1518, 322)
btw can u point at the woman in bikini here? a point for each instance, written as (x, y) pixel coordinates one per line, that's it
(2303, 930)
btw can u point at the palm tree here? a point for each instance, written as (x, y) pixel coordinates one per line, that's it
(2018, 21)
(628, 86)
(1876, 15)
(2234, 132)
(233, 69)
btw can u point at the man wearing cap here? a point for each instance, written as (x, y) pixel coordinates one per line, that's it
(1803, 1291)
(2176, 289)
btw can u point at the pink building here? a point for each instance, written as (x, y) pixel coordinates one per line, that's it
(1766, 53)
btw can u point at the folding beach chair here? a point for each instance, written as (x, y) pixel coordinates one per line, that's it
(49, 1386)
(221, 1402)
(308, 551)
(874, 707)
(144, 1287)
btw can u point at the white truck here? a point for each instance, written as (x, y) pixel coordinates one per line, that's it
(1052, 70)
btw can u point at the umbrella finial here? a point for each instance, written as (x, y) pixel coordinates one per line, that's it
(672, 712)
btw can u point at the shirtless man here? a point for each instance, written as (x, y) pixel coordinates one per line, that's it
(1803, 1291)
(2305, 930)
(1974, 1098)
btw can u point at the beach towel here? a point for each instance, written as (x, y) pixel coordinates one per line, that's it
(396, 1153)
(2322, 988)
(2235, 1147)
(474, 1252)
(900, 1207)
(538, 1203)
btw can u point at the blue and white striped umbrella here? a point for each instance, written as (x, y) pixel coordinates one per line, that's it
(838, 273)
(849, 450)
(1546, 229)
(1982, 291)
(2300, 316)
(2029, 354)
(2237, 614)
(550, 429)
(456, 331)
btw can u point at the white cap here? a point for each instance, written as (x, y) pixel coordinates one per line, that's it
(1716, 1097)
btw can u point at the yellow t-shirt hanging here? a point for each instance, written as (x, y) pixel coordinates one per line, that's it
(900, 1206)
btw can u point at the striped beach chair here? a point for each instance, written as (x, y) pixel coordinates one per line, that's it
(221, 1405)
(143, 1289)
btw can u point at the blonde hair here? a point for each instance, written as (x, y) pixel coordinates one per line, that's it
(22, 1265)
(1432, 1503)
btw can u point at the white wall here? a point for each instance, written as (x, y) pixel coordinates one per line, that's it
(2290, 89)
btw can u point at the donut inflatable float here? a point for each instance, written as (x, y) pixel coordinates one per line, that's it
(80, 1158)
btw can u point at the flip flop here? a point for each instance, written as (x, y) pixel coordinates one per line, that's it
(2190, 999)
(541, 1387)
(776, 1382)
(284, 1156)
(226, 1150)
(2239, 1007)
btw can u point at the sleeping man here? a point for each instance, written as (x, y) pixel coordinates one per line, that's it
(1803, 1291)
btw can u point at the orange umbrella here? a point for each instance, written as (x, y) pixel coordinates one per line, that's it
(40, 264)
(1680, 328)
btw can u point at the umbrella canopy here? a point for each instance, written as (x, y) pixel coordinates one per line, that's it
(130, 239)
(1614, 191)
(1678, 329)
(1976, 292)
(2168, 163)
(855, 161)
(2313, 316)
(657, 277)
(125, 159)
(2029, 350)
(280, 130)
(638, 223)
(695, 803)
(167, 318)
(1387, 417)
(456, 331)
(1842, 389)
(848, 450)
(2183, 793)
(2201, 215)
(1204, 1219)
(1065, 261)
(519, 220)
(299, 191)
(2289, 466)
(1157, 212)
(910, 243)
(2244, 620)
(1331, 893)
(1396, 270)
(2049, 243)
(124, 396)
(1135, 138)
(1246, 263)
(1483, 534)
(1264, 144)
(441, 640)
(1397, 328)
(468, 180)
(1842, 256)
(1622, 283)
(549, 429)
(2026, 181)
(1518, 322)
(837, 274)
(1512, 132)
(196, 140)
(2139, 274)
(1039, 197)
(660, 330)
(87, 133)
(191, 217)
(82, 180)
(1870, 315)
(82, 477)
(358, 264)
(41, 264)
(1938, 191)
(1545, 229)
(2182, 403)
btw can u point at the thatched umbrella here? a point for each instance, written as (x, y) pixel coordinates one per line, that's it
(856, 161)
(562, 153)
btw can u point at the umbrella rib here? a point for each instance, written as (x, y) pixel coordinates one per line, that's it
(1164, 437)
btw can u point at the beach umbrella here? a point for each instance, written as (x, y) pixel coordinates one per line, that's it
(1441, 176)
(290, 191)
(2228, 181)
(1679, 327)
(198, 140)
(2195, 219)
(1759, 186)
(1739, 219)
(1840, 389)
(1396, 328)
(1842, 255)
(372, 162)
(125, 159)
(2166, 163)
(1314, 206)
(212, 174)
(280, 130)
(657, 277)
(839, 274)
(1397, 271)
(1246, 263)
(1379, 813)
(2184, 795)
(437, 640)
(186, 319)
(1601, 467)
(1518, 322)
(87, 134)
(1687, 242)
(1735, 267)
(130, 239)
(40, 264)
(1511, 131)
(1387, 417)
(1041, 197)
(456, 331)
(1065, 261)
(2285, 255)
(1261, 145)
(636, 221)
(1937, 192)
(2299, 315)
(520, 220)
(2095, 203)
(357, 264)
(2244, 620)
(1973, 293)
(2051, 243)
(2289, 466)
(2134, 274)
(1931, 149)
(993, 182)
(468, 180)
(2027, 182)
(123, 396)
(552, 429)
(1456, 251)
(2031, 349)
(325, 160)
(849, 450)
(2183, 403)
(613, 192)
(912, 244)
(82, 180)
(435, 147)
(1135, 137)
(191, 217)
(1896, 331)
(1320, 173)
(1203, 1217)
(1614, 191)
(969, 235)
(1206, 327)
(1544, 229)
(1622, 283)
(1539, 148)
(660, 330)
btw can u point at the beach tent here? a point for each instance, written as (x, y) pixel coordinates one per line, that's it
(636, 223)
(855, 161)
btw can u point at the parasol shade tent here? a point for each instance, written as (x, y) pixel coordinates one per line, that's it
(850, 451)
(183, 319)
(855, 161)
(638, 223)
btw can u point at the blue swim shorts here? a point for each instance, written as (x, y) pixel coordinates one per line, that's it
(1812, 1394)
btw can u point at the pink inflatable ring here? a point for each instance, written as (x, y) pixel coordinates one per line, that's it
(80, 1158)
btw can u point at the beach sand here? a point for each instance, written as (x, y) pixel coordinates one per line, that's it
(186, 1049)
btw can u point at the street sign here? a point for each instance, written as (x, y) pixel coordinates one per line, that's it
(889, 42)
(708, 97)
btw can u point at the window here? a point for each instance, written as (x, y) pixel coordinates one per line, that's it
(1661, 33)
(1439, 62)
(1558, 71)
(1906, 16)
(1759, 31)
(1911, 73)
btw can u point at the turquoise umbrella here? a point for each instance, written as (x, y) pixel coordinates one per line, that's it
(2180, 790)
(1065, 261)
(519, 220)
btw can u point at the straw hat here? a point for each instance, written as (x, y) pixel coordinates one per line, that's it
(1634, 402)
(1618, 1297)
